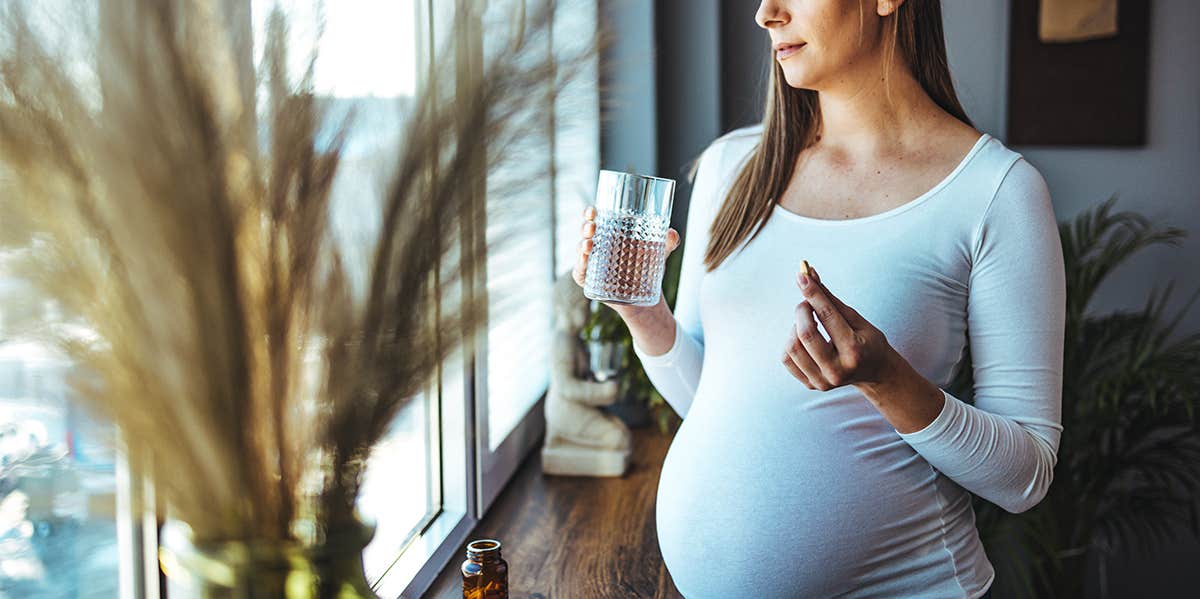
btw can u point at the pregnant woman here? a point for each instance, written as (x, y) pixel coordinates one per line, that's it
(841, 258)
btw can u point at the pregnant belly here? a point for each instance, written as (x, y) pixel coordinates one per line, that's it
(809, 497)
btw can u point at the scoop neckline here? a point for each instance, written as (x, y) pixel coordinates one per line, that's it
(962, 163)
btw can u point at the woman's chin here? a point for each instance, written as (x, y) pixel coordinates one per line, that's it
(797, 81)
(801, 83)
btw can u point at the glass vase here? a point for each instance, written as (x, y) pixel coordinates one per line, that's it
(261, 568)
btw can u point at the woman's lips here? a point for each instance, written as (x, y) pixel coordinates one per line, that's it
(787, 51)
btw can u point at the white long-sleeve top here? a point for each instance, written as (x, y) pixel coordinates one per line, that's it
(770, 489)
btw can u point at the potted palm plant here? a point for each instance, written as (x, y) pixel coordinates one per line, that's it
(1128, 471)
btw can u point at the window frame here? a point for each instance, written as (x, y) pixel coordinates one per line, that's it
(496, 467)
(484, 473)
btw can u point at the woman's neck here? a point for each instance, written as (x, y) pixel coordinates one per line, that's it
(870, 115)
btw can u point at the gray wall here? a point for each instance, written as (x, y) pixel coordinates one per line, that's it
(628, 81)
(745, 65)
(661, 99)
(688, 46)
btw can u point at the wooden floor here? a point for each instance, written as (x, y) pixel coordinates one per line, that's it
(566, 537)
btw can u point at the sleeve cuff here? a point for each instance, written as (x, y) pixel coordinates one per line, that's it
(951, 411)
(666, 358)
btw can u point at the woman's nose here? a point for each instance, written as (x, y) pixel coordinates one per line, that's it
(771, 13)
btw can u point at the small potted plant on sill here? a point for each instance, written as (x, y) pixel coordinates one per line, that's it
(608, 345)
(603, 339)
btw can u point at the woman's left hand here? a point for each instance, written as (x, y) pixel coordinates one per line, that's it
(856, 352)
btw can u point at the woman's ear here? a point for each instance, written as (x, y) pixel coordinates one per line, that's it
(886, 7)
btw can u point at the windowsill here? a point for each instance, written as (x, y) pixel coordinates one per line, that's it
(558, 533)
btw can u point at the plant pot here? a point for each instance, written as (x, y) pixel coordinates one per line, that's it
(605, 359)
(634, 413)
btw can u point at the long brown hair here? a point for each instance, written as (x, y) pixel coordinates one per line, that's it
(792, 118)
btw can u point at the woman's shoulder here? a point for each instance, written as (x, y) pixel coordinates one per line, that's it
(1016, 197)
(748, 133)
(726, 153)
(735, 145)
(1007, 173)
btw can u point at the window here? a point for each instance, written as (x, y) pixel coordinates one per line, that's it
(58, 472)
(57, 477)
(457, 444)
(454, 446)
(367, 63)
(519, 337)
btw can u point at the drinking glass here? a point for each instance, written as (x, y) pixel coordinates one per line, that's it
(629, 247)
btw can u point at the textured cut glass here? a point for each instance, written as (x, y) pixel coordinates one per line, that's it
(629, 247)
(626, 263)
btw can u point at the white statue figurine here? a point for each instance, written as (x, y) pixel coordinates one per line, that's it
(581, 439)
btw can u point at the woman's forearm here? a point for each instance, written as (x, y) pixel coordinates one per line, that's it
(671, 357)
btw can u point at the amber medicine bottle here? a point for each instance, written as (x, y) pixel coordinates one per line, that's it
(485, 573)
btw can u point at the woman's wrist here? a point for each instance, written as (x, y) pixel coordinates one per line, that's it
(908, 400)
(652, 327)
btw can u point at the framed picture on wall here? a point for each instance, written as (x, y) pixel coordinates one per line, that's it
(1077, 72)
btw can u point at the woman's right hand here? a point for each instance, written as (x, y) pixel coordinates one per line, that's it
(587, 230)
